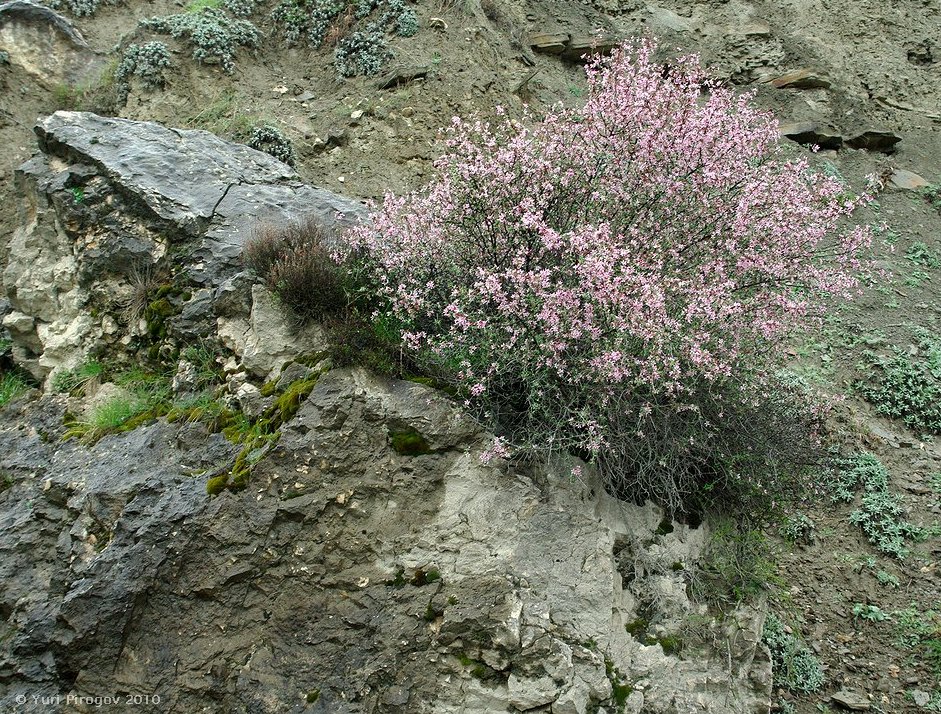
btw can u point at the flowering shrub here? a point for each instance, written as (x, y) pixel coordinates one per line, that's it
(638, 258)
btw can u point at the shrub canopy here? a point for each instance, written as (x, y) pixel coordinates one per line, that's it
(646, 248)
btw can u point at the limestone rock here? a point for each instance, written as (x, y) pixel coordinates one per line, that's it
(47, 45)
(906, 180)
(852, 700)
(581, 47)
(317, 578)
(875, 140)
(811, 134)
(265, 342)
(801, 79)
(552, 43)
(402, 75)
(141, 186)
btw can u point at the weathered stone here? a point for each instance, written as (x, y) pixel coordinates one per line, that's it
(552, 43)
(265, 342)
(906, 180)
(145, 185)
(101, 395)
(663, 19)
(875, 140)
(755, 28)
(402, 75)
(852, 700)
(186, 379)
(250, 401)
(811, 134)
(801, 79)
(47, 45)
(582, 47)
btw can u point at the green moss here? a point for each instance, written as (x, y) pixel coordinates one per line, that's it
(671, 644)
(145, 417)
(217, 484)
(408, 442)
(286, 406)
(312, 696)
(269, 388)
(637, 629)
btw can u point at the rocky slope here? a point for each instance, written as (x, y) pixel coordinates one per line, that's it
(863, 79)
(347, 577)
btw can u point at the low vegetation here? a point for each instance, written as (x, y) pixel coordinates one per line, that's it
(213, 35)
(145, 63)
(793, 664)
(906, 384)
(879, 512)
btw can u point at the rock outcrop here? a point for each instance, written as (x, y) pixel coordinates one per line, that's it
(47, 45)
(114, 209)
(351, 575)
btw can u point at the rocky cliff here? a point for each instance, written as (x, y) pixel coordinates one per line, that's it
(352, 574)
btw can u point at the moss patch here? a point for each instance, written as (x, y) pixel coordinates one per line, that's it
(408, 442)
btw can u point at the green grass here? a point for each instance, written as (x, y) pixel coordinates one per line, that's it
(107, 418)
(71, 380)
(11, 385)
(200, 5)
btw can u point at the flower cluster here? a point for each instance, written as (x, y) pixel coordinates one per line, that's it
(653, 239)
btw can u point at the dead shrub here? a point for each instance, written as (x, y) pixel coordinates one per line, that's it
(295, 263)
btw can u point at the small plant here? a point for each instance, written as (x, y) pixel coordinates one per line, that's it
(272, 141)
(935, 481)
(106, 418)
(932, 194)
(67, 97)
(80, 8)
(72, 380)
(793, 665)
(147, 63)
(240, 8)
(362, 53)
(880, 513)
(357, 27)
(921, 254)
(78, 194)
(195, 6)
(737, 565)
(872, 613)
(797, 528)
(887, 579)
(214, 36)
(920, 629)
(295, 263)
(907, 384)
(11, 386)
(227, 116)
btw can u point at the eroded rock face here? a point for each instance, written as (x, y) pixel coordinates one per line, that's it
(47, 45)
(347, 578)
(352, 575)
(117, 212)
